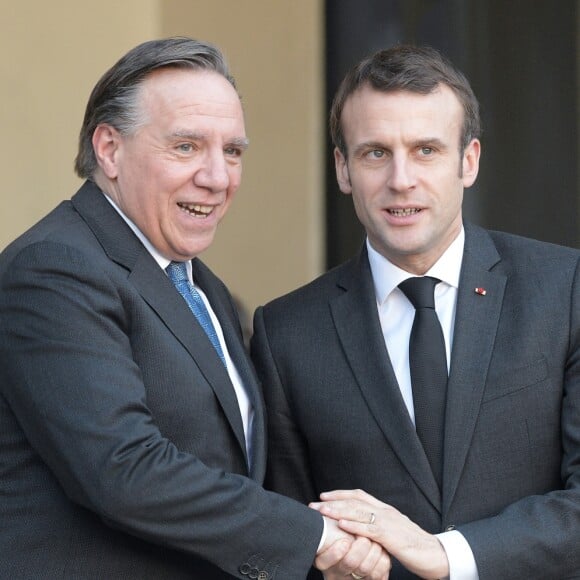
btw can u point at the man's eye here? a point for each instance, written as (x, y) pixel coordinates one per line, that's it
(185, 147)
(376, 154)
(426, 150)
(233, 151)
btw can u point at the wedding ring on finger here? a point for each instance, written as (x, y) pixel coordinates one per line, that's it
(372, 519)
(356, 576)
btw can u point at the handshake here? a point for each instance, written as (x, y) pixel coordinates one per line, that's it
(363, 533)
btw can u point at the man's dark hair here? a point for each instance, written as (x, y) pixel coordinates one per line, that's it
(407, 68)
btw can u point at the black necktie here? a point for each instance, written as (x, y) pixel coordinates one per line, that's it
(428, 365)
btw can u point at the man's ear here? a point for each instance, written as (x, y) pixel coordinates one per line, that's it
(106, 141)
(470, 162)
(342, 175)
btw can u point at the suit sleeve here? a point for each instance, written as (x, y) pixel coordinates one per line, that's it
(537, 536)
(288, 459)
(69, 376)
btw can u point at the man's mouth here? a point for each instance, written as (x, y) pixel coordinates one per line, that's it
(196, 209)
(404, 212)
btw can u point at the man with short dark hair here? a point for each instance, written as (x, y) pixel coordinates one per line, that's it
(475, 469)
(132, 431)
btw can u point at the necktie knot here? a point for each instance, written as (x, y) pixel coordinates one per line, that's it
(420, 291)
(177, 272)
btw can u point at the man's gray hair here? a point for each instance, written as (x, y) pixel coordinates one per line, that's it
(114, 100)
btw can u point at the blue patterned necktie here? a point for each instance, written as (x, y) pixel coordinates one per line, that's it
(177, 272)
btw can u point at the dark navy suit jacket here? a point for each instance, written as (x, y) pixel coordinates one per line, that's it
(511, 476)
(122, 451)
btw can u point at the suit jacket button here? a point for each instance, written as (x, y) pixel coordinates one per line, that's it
(263, 575)
(245, 569)
(450, 528)
(254, 573)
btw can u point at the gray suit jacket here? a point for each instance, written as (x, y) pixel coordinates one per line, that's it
(122, 450)
(511, 481)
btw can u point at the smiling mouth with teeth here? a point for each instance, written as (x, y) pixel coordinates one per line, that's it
(195, 209)
(404, 212)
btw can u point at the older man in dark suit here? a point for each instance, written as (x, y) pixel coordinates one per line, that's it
(482, 456)
(132, 433)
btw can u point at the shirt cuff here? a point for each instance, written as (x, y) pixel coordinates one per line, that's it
(462, 564)
(323, 539)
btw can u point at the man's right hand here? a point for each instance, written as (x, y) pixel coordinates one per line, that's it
(362, 514)
(343, 555)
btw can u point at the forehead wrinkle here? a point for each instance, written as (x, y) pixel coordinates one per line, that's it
(209, 108)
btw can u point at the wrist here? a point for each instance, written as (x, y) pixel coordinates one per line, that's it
(441, 562)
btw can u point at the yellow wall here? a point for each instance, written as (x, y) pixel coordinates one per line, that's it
(54, 52)
(272, 239)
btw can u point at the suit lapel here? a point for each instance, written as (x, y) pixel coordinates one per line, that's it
(357, 324)
(476, 322)
(124, 248)
(225, 311)
(158, 291)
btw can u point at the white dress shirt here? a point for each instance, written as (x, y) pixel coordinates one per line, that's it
(396, 316)
(246, 408)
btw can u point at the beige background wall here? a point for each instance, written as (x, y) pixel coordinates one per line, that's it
(54, 52)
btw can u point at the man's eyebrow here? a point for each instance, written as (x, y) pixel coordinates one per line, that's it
(430, 141)
(188, 135)
(242, 142)
(369, 145)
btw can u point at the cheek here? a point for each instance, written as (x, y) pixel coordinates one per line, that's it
(364, 211)
(235, 179)
(369, 191)
(457, 197)
(452, 207)
(449, 188)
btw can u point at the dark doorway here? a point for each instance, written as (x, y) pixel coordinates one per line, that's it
(522, 61)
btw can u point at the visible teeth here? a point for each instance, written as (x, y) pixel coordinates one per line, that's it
(205, 209)
(404, 212)
(196, 208)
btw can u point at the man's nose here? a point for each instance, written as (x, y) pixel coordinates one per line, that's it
(213, 172)
(401, 174)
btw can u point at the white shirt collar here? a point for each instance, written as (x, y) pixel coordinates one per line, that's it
(160, 259)
(387, 276)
